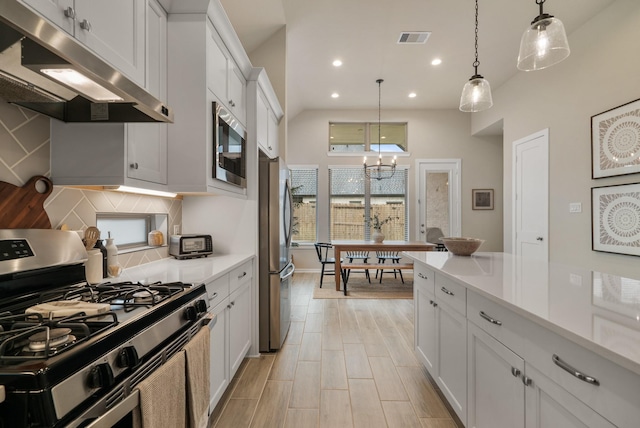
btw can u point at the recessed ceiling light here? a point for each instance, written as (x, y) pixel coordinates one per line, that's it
(337, 63)
(412, 95)
(436, 61)
(335, 95)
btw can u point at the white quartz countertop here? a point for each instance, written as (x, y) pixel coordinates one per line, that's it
(597, 310)
(193, 271)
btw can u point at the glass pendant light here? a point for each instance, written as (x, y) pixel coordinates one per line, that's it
(476, 94)
(544, 43)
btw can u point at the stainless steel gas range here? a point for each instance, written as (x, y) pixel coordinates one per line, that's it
(72, 354)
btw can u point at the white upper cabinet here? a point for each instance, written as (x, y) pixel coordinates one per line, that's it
(224, 78)
(108, 154)
(115, 29)
(264, 112)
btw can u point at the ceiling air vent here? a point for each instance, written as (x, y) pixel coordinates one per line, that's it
(414, 37)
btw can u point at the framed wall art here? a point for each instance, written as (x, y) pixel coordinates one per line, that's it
(482, 199)
(615, 218)
(615, 141)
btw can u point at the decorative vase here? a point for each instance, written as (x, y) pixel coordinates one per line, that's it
(377, 236)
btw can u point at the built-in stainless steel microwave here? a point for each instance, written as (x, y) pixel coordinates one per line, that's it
(230, 148)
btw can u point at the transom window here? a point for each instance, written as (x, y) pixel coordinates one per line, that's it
(363, 137)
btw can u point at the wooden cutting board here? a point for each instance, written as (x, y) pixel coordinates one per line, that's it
(22, 207)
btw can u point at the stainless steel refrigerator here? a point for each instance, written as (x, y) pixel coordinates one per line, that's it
(275, 266)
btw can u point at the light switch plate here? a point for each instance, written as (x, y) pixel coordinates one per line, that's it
(575, 207)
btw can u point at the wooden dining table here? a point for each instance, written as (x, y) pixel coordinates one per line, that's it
(340, 246)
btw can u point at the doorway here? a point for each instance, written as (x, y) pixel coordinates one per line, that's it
(438, 197)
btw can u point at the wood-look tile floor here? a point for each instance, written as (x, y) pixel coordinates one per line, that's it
(344, 363)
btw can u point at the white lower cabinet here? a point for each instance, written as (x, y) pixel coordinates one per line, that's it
(239, 325)
(495, 388)
(451, 357)
(548, 405)
(219, 367)
(425, 318)
(230, 300)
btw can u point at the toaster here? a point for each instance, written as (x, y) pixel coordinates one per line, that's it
(190, 246)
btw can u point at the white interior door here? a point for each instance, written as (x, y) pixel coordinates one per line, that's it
(531, 196)
(438, 197)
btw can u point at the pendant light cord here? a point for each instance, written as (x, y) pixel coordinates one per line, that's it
(379, 114)
(476, 63)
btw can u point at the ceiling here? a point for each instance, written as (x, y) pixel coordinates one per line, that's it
(364, 34)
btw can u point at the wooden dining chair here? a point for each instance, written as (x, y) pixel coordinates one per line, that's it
(358, 255)
(322, 250)
(383, 256)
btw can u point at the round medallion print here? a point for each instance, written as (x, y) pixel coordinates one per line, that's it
(621, 140)
(621, 219)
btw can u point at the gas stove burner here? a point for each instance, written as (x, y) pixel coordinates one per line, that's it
(53, 337)
(145, 296)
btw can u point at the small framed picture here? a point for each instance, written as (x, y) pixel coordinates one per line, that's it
(482, 199)
(615, 141)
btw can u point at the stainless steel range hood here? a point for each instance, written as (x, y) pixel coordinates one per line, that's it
(29, 43)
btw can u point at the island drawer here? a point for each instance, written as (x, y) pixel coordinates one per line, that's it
(424, 277)
(217, 290)
(500, 322)
(610, 389)
(452, 293)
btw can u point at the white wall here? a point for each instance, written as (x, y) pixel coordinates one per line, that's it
(432, 134)
(602, 72)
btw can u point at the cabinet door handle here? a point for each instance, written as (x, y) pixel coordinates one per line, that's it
(422, 276)
(231, 103)
(233, 303)
(133, 165)
(491, 320)
(515, 371)
(85, 25)
(526, 380)
(69, 12)
(568, 368)
(444, 290)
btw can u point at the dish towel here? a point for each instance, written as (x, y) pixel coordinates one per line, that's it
(163, 396)
(197, 374)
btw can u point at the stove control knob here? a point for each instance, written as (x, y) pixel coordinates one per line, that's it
(201, 306)
(100, 376)
(127, 357)
(190, 313)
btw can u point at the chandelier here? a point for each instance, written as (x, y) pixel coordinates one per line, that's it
(379, 170)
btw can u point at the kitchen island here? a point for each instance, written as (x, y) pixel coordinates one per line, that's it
(514, 342)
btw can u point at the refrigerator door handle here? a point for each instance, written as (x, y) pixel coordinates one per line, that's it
(288, 216)
(293, 269)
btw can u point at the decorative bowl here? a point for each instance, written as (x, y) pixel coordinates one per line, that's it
(462, 246)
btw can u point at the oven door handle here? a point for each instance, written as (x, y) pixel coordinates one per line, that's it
(118, 412)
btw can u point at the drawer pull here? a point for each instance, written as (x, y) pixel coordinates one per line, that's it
(242, 276)
(444, 290)
(213, 296)
(568, 368)
(434, 304)
(422, 276)
(491, 320)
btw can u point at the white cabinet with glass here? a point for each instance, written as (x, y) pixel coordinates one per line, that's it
(92, 24)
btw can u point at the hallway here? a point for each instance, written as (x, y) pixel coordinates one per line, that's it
(345, 363)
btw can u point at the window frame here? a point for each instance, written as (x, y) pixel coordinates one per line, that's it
(315, 168)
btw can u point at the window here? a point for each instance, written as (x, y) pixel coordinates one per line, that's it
(131, 230)
(363, 137)
(304, 189)
(353, 199)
